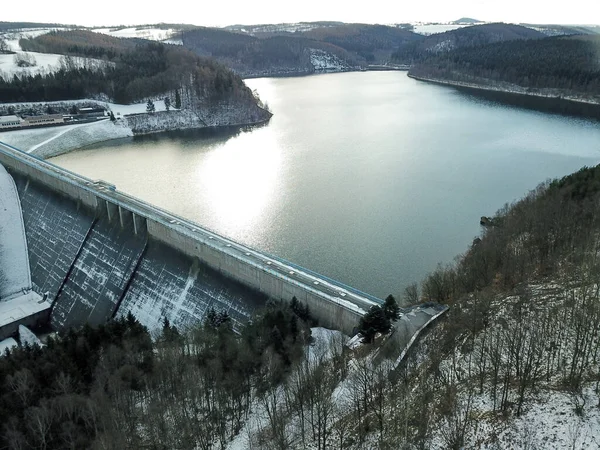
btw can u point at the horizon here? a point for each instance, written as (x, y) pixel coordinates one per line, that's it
(254, 24)
(263, 12)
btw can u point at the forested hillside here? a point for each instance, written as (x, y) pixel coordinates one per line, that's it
(513, 365)
(374, 43)
(567, 64)
(272, 49)
(115, 387)
(473, 36)
(272, 55)
(25, 25)
(522, 332)
(133, 71)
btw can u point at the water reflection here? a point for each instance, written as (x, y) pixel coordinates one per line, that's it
(369, 178)
(238, 180)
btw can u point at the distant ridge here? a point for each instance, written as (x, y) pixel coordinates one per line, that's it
(466, 20)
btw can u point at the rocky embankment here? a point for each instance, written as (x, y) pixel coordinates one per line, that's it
(223, 115)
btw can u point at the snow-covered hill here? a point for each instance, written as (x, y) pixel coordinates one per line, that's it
(150, 33)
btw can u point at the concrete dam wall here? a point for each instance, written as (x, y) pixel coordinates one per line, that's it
(98, 253)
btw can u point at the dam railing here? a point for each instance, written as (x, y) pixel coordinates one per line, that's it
(294, 274)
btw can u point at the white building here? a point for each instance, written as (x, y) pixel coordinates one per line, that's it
(10, 122)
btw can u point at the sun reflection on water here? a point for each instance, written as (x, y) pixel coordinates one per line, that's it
(239, 179)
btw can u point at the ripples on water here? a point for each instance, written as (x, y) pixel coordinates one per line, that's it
(370, 178)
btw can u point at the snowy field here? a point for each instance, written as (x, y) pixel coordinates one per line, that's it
(45, 62)
(12, 37)
(427, 29)
(48, 142)
(154, 34)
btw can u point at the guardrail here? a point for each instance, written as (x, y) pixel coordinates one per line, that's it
(107, 192)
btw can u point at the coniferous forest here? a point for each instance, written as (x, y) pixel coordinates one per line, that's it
(566, 63)
(114, 386)
(124, 70)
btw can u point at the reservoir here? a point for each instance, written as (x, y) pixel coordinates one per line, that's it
(369, 178)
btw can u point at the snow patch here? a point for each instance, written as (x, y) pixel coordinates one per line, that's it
(150, 33)
(323, 61)
(27, 337)
(7, 344)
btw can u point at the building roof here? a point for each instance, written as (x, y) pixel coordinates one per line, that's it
(4, 119)
(44, 116)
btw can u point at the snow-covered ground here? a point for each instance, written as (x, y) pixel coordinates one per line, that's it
(45, 62)
(12, 37)
(52, 141)
(15, 278)
(322, 347)
(135, 108)
(154, 34)
(548, 422)
(428, 29)
(321, 60)
(7, 344)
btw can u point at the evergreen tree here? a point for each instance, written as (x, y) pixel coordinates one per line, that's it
(373, 322)
(150, 108)
(391, 308)
(177, 99)
(301, 310)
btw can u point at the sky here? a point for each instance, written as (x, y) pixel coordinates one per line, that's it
(221, 13)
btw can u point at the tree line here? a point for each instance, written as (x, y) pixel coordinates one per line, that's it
(525, 306)
(565, 63)
(131, 71)
(113, 386)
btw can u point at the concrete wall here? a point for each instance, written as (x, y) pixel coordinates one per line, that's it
(97, 280)
(331, 313)
(169, 284)
(32, 321)
(336, 305)
(55, 229)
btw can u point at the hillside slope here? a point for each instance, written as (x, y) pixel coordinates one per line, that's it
(472, 36)
(272, 55)
(136, 70)
(299, 48)
(515, 363)
(557, 66)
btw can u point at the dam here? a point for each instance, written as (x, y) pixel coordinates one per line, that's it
(96, 253)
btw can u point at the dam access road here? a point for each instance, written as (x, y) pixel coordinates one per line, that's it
(129, 256)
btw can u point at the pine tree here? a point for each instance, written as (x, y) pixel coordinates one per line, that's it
(391, 308)
(373, 322)
(177, 99)
(150, 108)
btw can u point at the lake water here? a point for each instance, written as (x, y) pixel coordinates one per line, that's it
(369, 178)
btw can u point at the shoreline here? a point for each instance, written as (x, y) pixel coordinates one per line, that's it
(57, 141)
(372, 68)
(524, 92)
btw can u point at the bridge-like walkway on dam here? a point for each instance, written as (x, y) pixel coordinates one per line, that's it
(149, 228)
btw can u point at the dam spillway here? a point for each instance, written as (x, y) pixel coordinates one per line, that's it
(99, 253)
